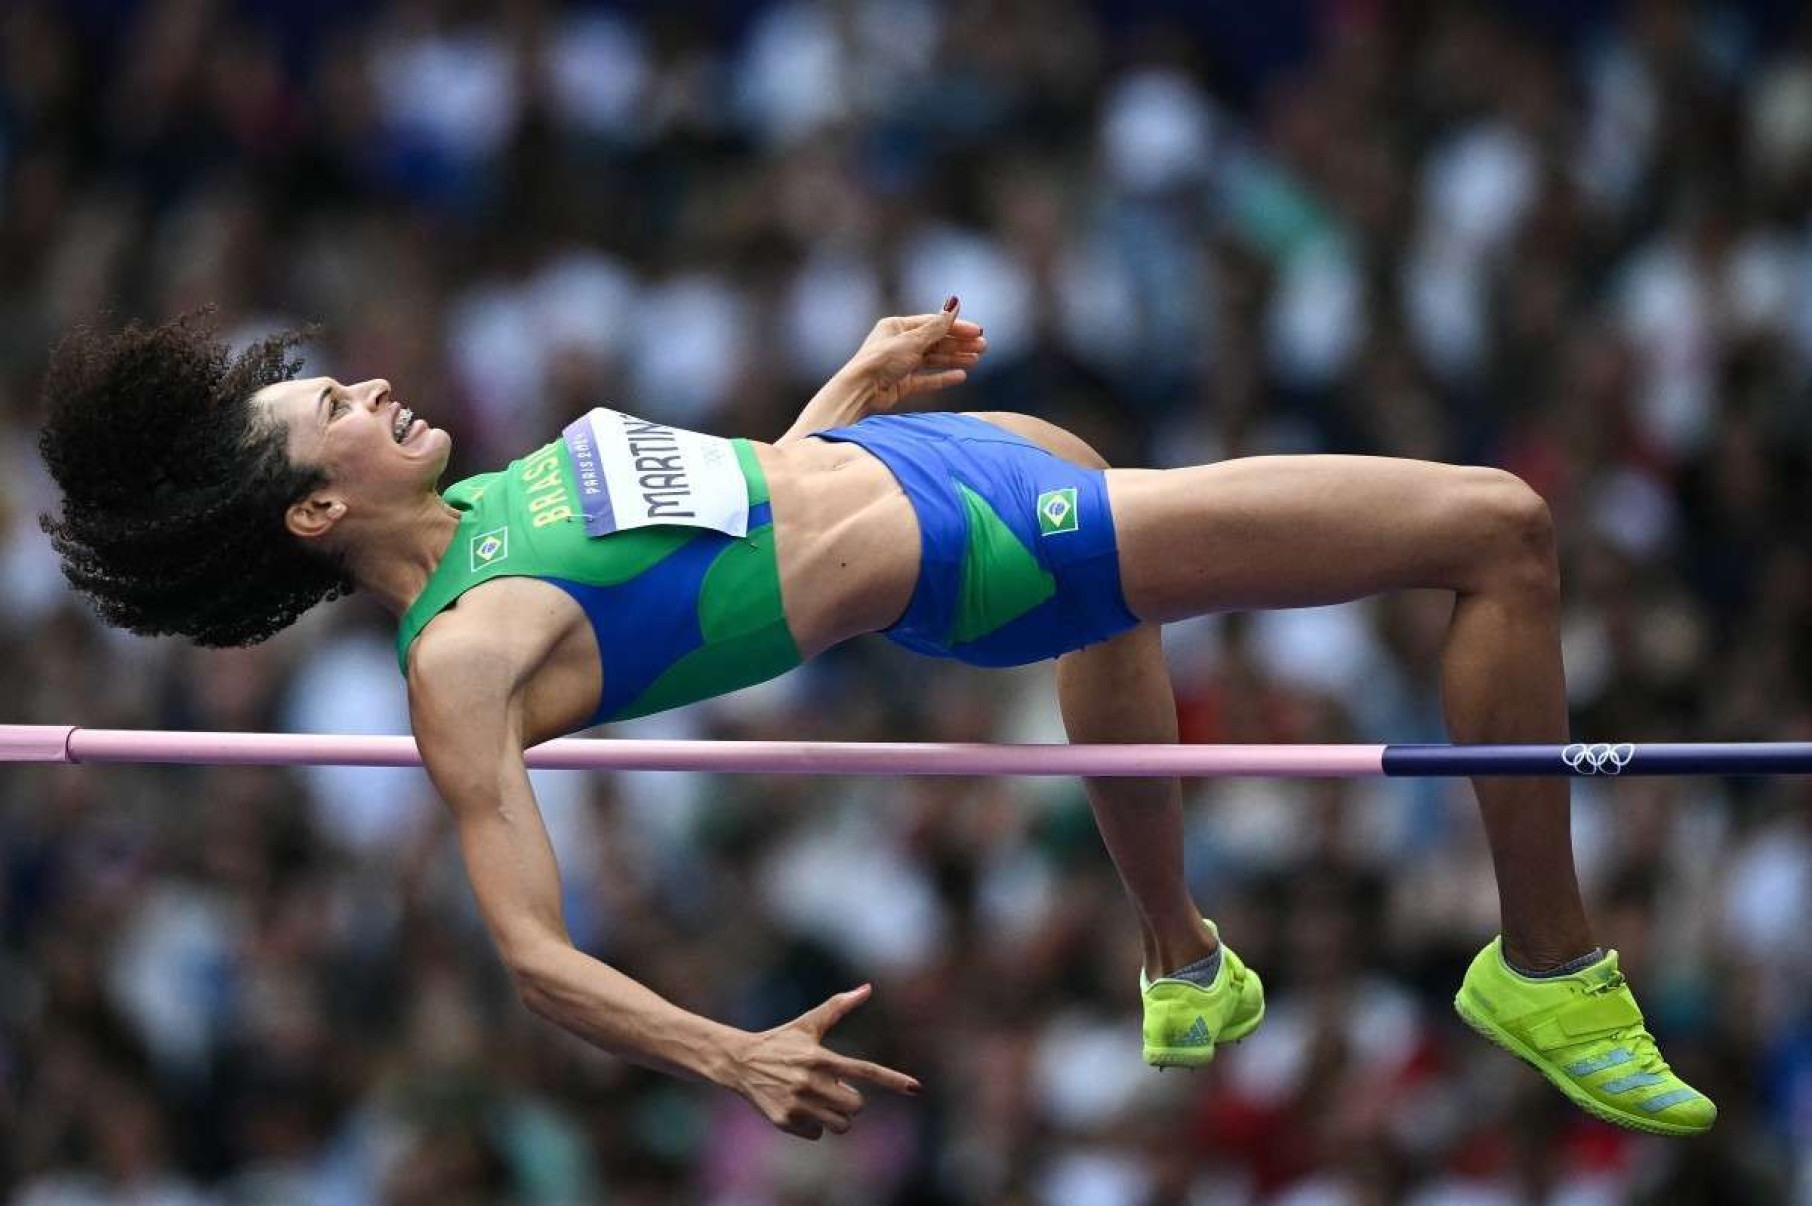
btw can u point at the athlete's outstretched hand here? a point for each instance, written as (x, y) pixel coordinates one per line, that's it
(802, 1087)
(900, 359)
(921, 354)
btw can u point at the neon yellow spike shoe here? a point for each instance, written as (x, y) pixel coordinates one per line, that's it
(1184, 1021)
(1585, 1034)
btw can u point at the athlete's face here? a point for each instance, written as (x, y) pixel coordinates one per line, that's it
(351, 433)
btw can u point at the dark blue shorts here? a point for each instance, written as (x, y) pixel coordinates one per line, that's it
(1018, 561)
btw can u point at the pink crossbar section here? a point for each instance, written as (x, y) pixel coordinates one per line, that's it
(55, 743)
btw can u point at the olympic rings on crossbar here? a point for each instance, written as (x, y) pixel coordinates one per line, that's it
(1598, 759)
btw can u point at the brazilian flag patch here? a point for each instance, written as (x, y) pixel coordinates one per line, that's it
(1057, 512)
(488, 548)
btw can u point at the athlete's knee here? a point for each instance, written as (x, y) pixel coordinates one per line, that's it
(1136, 653)
(1118, 690)
(1515, 532)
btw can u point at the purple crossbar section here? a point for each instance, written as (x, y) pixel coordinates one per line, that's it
(34, 743)
(1602, 759)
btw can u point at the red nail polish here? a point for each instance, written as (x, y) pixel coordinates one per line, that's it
(950, 303)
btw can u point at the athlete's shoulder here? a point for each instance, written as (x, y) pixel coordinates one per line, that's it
(498, 632)
(470, 655)
(463, 693)
(454, 653)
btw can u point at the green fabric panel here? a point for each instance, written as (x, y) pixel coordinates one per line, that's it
(464, 494)
(741, 590)
(751, 472)
(743, 625)
(718, 669)
(443, 584)
(1001, 579)
(627, 555)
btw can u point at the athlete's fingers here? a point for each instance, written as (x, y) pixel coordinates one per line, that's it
(809, 1119)
(949, 352)
(931, 383)
(941, 322)
(848, 1068)
(915, 324)
(805, 1128)
(841, 1097)
(944, 321)
(819, 1020)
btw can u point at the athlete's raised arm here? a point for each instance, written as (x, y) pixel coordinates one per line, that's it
(901, 358)
(465, 709)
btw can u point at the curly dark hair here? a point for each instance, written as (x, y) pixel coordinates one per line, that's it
(175, 488)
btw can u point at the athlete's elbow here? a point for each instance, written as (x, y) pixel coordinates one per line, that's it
(537, 996)
(534, 970)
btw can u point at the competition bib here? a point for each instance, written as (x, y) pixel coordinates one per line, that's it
(634, 474)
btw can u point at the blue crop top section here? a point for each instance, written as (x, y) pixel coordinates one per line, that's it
(646, 624)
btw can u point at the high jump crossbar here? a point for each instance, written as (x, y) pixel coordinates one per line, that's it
(72, 744)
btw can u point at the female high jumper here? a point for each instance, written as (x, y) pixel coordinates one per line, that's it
(628, 566)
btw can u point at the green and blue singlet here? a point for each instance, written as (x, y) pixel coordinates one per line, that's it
(1018, 559)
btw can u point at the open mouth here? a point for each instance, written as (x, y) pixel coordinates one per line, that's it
(403, 427)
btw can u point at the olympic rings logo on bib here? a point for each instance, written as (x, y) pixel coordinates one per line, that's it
(1598, 759)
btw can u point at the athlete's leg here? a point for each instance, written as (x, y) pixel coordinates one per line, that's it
(1119, 692)
(1268, 532)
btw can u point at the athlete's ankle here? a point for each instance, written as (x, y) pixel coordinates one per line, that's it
(1166, 953)
(1537, 958)
(1555, 971)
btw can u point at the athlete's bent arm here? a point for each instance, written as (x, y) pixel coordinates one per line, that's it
(465, 709)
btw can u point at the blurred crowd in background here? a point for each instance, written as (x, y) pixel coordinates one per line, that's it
(1574, 240)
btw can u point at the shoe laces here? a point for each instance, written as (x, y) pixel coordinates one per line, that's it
(1635, 1037)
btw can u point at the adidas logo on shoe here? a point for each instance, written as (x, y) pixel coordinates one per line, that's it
(1197, 1035)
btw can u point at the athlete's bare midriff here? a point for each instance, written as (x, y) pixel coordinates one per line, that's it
(846, 540)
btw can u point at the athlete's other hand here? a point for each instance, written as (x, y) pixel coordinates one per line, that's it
(802, 1087)
(920, 354)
